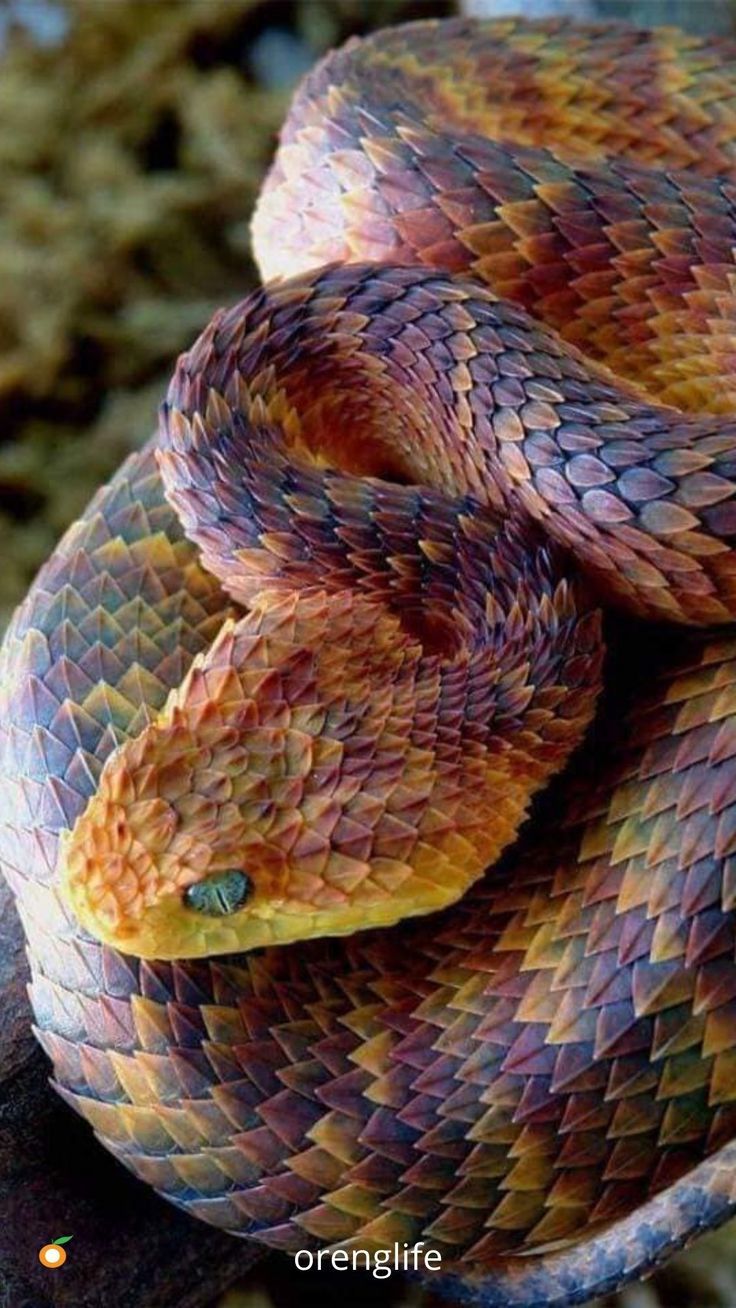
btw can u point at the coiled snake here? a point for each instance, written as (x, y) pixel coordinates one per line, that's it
(330, 631)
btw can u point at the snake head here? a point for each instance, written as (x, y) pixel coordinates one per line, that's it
(251, 811)
(310, 777)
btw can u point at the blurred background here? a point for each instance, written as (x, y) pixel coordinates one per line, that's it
(133, 138)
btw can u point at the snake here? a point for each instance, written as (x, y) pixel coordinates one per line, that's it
(368, 745)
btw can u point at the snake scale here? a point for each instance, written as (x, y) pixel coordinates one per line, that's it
(301, 666)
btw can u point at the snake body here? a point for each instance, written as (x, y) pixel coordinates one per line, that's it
(338, 622)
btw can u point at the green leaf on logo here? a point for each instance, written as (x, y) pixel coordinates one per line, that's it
(62, 1239)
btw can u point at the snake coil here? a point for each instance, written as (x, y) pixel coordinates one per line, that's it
(300, 668)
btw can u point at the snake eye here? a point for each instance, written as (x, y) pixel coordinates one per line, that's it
(220, 894)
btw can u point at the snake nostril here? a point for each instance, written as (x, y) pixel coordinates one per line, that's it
(219, 894)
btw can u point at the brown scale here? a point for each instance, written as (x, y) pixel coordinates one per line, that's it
(548, 1067)
(588, 233)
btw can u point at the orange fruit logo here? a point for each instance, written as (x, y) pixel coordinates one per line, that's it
(54, 1255)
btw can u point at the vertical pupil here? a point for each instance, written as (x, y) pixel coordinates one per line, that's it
(220, 894)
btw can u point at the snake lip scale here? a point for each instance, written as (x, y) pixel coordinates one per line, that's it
(301, 671)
